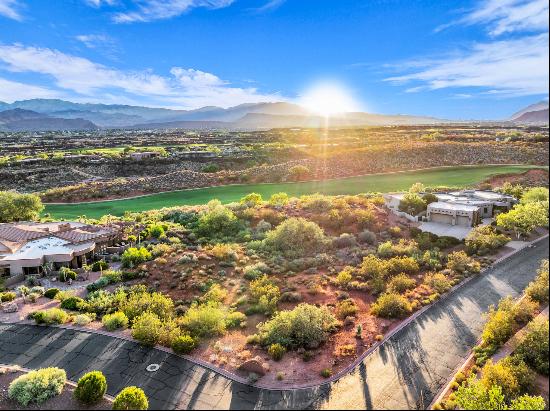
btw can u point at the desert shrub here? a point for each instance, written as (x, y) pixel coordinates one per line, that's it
(72, 303)
(139, 301)
(326, 372)
(235, 319)
(528, 402)
(438, 282)
(51, 293)
(538, 289)
(510, 373)
(134, 256)
(346, 308)
(345, 240)
(147, 329)
(279, 199)
(66, 274)
(217, 222)
(524, 218)
(224, 252)
(276, 351)
(131, 398)
(100, 265)
(534, 195)
(344, 277)
(83, 319)
(391, 305)
(255, 271)
(534, 347)
(252, 200)
(91, 387)
(430, 198)
(7, 296)
(401, 283)
(204, 320)
(412, 204)
(37, 386)
(484, 239)
(183, 344)
(51, 316)
(316, 203)
(461, 263)
(98, 284)
(113, 276)
(158, 250)
(397, 265)
(367, 237)
(215, 294)
(115, 321)
(264, 294)
(298, 172)
(305, 326)
(296, 237)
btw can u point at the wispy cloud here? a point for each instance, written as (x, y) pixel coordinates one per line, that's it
(269, 6)
(99, 3)
(508, 67)
(506, 16)
(184, 87)
(151, 10)
(10, 9)
(13, 90)
(101, 42)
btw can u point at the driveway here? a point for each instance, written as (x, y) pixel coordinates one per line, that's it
(404, 373)
(440, 229)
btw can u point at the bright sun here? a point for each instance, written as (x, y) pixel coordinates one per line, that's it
(328, 98)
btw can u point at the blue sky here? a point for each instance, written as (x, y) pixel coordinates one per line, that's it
(451, 59)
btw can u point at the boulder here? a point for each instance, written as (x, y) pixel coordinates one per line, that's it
(254, 365)
(10, 307)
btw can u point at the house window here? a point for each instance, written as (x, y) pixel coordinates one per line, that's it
(485, 210)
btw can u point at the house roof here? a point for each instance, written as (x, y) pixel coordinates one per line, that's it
(452, 206)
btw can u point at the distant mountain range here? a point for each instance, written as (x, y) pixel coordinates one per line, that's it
(534, 114)
(52, 114)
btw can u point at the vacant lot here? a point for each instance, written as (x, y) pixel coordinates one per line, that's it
(451, 176)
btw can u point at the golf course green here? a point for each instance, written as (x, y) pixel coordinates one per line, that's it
(446, 176)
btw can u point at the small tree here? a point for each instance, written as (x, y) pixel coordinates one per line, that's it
(524, 218)
(412, 204)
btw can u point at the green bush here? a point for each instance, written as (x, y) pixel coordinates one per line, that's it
(484, 239)
(438, 282)
(139, 301)
(276, 351)
(264, 294)
(346, 308)
(98, 284)
(412, 204)
(91, 387)
(51, 316)
(7, 296)
(71, 303)
(51, 293)
(326, 373)
(511, 374)
(296, 237)
(534, 347)
(37, 386)
(391, 305)
(184, 344)
(218, 222)
(401, 283)
(538, 289)
(131, 398)
(147, 329)
(66, 274)
(100, 265)
(115, 321)
(205, 320)
(134, 256)
(306, 326)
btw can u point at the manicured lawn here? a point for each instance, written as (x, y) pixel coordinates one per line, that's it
(454, 176)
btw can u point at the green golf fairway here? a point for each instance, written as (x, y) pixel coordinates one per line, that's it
(447, 176)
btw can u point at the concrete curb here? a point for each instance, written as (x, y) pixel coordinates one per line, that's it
(349, 369)
(300, 182)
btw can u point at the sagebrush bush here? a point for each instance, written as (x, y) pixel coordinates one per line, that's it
(83, 319)
(367, 237)
(305, 326)
(91, 387)
(115, 321)
(51, 316)
(147, 329)
(276, 351)
(72, 303)
(205, 320)
(346, 308)
(401, 283)
(391, 305)
(37, 386)
(184, 344)
(538, 289)
(51, 293)
(296, 237)
(131, 398)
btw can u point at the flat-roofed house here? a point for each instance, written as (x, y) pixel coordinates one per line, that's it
(453, 214)
(26, 247)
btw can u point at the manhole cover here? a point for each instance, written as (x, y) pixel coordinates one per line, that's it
(152, 367)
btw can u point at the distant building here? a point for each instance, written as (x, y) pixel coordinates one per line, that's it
(144, 155)
(26, 247)
(463, 208)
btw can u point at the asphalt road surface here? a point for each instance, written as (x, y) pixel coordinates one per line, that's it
(404, 373)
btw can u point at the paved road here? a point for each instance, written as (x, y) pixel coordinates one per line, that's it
(404, 373)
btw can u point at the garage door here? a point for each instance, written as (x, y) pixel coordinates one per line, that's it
(441, 218)
(463, 221)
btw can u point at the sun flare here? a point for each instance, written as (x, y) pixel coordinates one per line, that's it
(329, 98)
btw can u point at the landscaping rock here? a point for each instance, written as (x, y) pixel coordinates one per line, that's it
(10, 307)
(254, 365)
